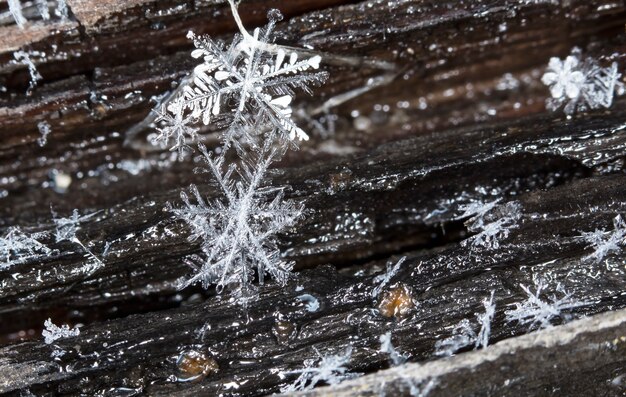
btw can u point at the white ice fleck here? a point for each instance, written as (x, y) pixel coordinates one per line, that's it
(15, 8)
(312, 303)
(44, 130)
(387, 347)
(52, 332)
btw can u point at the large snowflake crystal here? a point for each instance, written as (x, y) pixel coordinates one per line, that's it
(246, 88)
(18, 247)
(238, 232)
(581, 84)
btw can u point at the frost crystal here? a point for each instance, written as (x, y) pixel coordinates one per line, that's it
(387, 347)
(538, 312)
(172, 125)
(492, 222)
(246, 88)
(238, 233)
(383, 279)
(52, 332)
(42, 7)
(44, 130)
(604, 242)
(581, 85)
(66, 229)
(25, 59)
(329, 369)
(16, 10)
(312, 303)
(17, 247)
(464, 335)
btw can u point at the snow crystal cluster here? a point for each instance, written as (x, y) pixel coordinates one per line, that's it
(464, 335)
(52, 332)
(581, 84)
(18, 247)
(492, 222)
(244, 90)
(329, 369)
(538, 312)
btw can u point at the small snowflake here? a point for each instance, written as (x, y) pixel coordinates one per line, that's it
(173, 125)
(537, 312)
(238, 233)
(383, 279)
(66, 229)
(53, 332)
(492, 222)
(329, 369)
(603, 242)
(18, 247)
(581, 84)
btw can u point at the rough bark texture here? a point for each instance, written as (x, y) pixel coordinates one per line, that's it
(454, 112)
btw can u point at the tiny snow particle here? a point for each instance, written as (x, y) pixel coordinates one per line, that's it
(312, 304)
(53, 332)
(25, 59)
(44, 130)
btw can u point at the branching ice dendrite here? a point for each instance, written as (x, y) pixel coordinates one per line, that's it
(387, 347)
(464, 335)
(173, 125)
(52, 332)
(66, 229)
(493, 222)
(604, 242)
(538, 313)
(258, 78)
(238, 233)
(383, 279)
(581, 84)
(18, 247)
(329, 369)
(16, 10)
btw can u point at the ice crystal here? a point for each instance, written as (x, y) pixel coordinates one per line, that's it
(581, 84)
(25, 58)
(312, 303)
(387, 347)
(537, 312)
(173, 125)
(62, 10)
(329, 369)
(464, 335)
(42, 7)
(383, 279)
(66, 229)
(247, 87)
(15, 8)
(52, 332)
(18, 247)
(493, 222)
(44, 130)
(604, 242)
(238, 232)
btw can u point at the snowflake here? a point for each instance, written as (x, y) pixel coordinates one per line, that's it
(15, 8)
(493, 222)
(173, 125)
(66, 229)
(538, 312)
(254, 79)
(329, 369)
(18, 247)
(581, 85)
(603, 244)
(464, 335)
(238, 232)
(387, 347)
(383, 279)
(53, 332)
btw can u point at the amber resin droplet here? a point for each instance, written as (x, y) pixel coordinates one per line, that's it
(194, 364)
(396, 302)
